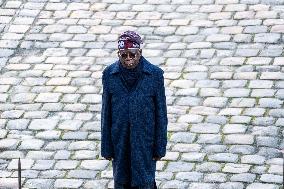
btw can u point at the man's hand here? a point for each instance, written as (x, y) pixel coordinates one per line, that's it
(157, 158)
(109, 158)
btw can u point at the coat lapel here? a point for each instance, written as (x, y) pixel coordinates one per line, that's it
(145, 70)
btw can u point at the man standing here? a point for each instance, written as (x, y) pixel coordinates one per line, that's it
(134, 116)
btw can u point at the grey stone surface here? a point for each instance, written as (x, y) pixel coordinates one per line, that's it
(243, 177)
(262, 186)
(223, 70)
(39, 183)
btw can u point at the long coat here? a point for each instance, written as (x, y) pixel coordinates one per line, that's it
(134, 123)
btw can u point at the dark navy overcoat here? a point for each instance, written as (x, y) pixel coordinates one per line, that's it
(134, 123)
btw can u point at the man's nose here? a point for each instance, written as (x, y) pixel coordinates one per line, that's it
(128, 55)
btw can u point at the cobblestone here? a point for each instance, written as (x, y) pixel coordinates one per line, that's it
(223, 78)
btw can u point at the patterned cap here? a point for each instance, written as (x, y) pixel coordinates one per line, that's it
(129, 39)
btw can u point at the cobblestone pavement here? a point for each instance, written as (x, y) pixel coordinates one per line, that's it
(224, 77)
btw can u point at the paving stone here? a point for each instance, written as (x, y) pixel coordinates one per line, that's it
(48, 97)
(3, 133)
(37, 155)
(268, 152)
(223, 157)
(94, 164)
(39, 183)
(235, 92)
(13, 4)
(179, 166)
(66, 164)
(54, 29)
(202, 185)
(91, 98)
(175, 183)
(216, 119)
(240, 119)
(78, 6)
(25, 164)
(269, 131)
(31, 144)
(262, 93)
(100, 184)
(279, 94)
(43, 164)
(8, 143)
(82, 174)
(242, 149)
(190, 118)
(164, 175)
(210, 92)
(239, 139)
(258, 61)
(253, 159)
(267, 38)
(215, 177)
(203, 110)
(209, 139)
(208, 167)
(18, 124)
(85, 154)
(56, 145)
(75, 135)
(80, 145)
(70, 125)
(234, 128)
(262, 186)
(270, 103)
(276, 113)
(43, 124)
(217, 102)
(11, 154)
(52, 106)
(243, 177)
(183, 137)
(68, 183)
(189, 176)
(23, 97)
(189, 101)
(243, 102)
(193, 157)
(55, 6)
(173, 156)
(205, 128)
(267, 141)
(62, 154)
(186, 147)
(8, 182)
(12, 114)
(236, 168)
(260, 84)
(259, 169)
(275, 169)
(218, 38)
(231, 185)
(187, 92)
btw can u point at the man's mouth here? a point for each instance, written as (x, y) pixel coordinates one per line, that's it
(129, 62)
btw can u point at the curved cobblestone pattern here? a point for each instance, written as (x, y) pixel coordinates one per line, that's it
(223, 63)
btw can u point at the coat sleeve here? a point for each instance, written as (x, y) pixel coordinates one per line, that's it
(106, 142)
(161, 120)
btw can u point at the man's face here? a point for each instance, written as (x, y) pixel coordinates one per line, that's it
(129, 57)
